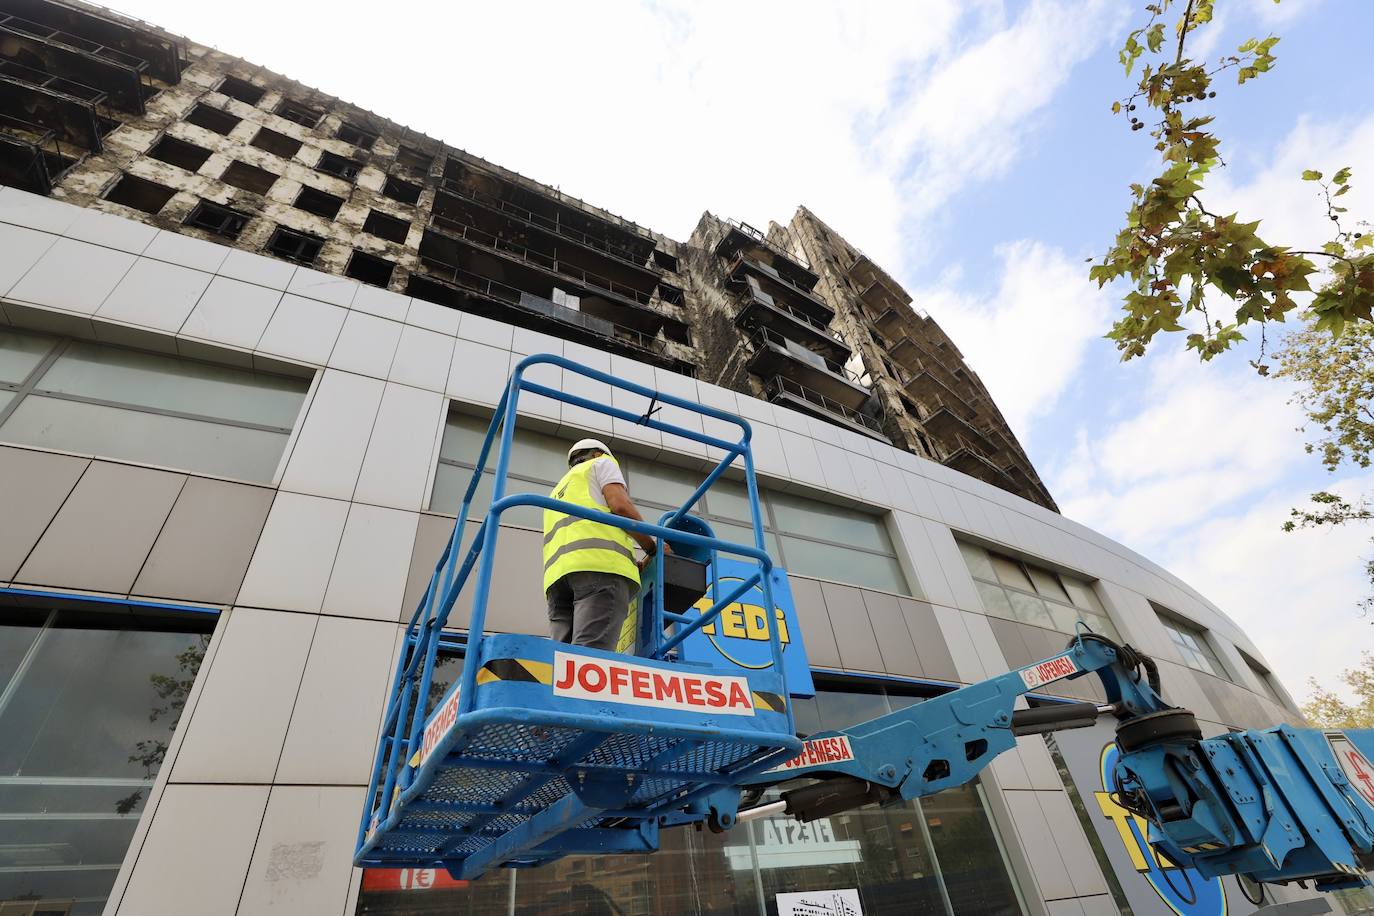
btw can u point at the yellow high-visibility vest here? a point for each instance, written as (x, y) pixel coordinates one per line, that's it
(573, 544)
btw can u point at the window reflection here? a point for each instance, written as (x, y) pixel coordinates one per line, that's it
(90, 701)
(75, 395)
(811, 538)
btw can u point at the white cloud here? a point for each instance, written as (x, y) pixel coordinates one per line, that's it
(1294, 594)
(1026, 339)
(970, 117)
(1205, 437)
(1291, 210)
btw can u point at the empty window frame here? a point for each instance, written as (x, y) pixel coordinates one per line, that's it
(1191, 642)
(240, 89)
(217, 219)
(350, 133)
(313, 200)
(290, 245)
(404, 191)
(299, 112)
(114, 402)
(385, 226)
(140, 194)
(806, 536)
(1016, 590)
(338, 166)
(670, 294)
(212, 118)
(275, 143)
(178, 152)
(413, 158)
(368, 268)
(248, 177)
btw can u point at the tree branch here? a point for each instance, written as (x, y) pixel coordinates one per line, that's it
(1183, 32)
(1205, 211)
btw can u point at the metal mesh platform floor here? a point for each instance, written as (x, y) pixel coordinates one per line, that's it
(501, 775)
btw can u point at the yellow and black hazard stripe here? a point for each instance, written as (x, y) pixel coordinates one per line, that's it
(515, 669)
(1202, 847)
(769, 701)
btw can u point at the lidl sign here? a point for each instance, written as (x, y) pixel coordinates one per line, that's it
(1182, 889)
(739, 636)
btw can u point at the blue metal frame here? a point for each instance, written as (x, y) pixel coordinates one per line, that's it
(395, 782)
(106, 599)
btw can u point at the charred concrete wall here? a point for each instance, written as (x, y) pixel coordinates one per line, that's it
(723, 354)
(933, 403)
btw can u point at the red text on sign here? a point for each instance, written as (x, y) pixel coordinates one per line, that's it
(590, 678)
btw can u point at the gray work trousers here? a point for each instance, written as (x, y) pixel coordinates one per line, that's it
(589, 608)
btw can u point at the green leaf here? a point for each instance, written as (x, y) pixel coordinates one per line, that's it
(1311, 175)
(1342, 176)
(1343, 189)
(1116, 108)
(1155, 37)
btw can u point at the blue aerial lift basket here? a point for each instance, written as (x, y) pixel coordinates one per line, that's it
(542, 749)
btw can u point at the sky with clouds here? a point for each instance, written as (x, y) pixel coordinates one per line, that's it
(966, 145)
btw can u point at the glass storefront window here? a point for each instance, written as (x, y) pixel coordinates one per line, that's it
(1358, 901)
(88, 704)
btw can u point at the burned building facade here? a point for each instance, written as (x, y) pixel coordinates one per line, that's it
(122, 117)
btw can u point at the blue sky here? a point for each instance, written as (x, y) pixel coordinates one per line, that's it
(968, 146)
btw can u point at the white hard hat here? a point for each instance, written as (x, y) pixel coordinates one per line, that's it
(583, 445)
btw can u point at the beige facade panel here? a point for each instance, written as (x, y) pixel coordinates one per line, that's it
(104, 531)
(33, 486)
(203, 550)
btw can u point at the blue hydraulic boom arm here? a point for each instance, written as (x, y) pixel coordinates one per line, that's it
(1278, 805)
(540, 749)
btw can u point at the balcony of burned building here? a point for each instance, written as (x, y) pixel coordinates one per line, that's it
(743, 268)
(456, 199)
(550, 209)
(83, 48)
(454, 241)
(76, 114)
(742, 238)
(787, 392)
(773, 354)
(967, 458)
(32, 156)
(760, 308)
(541, 306)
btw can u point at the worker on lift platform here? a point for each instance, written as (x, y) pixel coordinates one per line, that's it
(589, 567)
